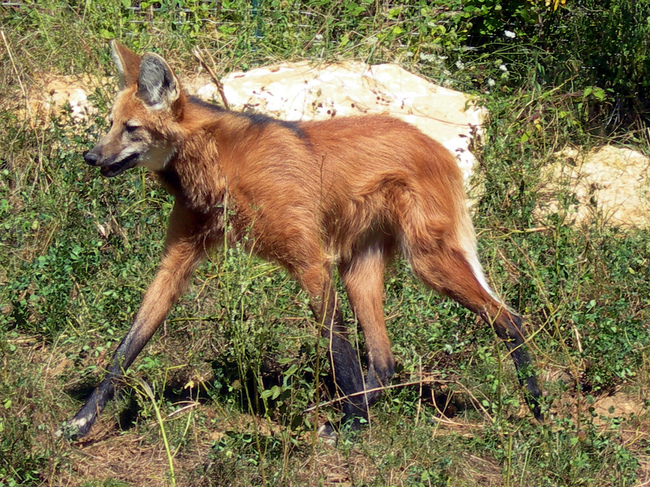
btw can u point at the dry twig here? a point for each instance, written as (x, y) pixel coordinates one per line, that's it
(211, 72)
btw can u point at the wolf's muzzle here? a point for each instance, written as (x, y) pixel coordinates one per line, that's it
(91, 158)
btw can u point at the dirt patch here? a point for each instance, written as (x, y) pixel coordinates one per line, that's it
(119, 457)
(61, 96)
(604, 410)
(619, 405)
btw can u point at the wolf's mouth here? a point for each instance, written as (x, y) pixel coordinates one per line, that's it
(121, 166)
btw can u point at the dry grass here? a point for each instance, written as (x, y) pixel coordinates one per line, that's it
(136, 456)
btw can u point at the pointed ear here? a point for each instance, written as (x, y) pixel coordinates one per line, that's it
(157, 85)
(128, 64)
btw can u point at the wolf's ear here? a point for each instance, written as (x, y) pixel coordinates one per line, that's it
(128, 64)
(157, 85)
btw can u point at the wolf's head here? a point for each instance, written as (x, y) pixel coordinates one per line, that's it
(144, 120)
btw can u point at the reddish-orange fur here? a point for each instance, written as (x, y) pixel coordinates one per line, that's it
(346, 191)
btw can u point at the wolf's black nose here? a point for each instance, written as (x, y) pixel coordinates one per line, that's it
(91, 158)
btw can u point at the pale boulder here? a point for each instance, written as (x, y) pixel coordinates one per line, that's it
(302, 91)
(609, 183)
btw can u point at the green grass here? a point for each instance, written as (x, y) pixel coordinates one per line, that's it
(237, 368)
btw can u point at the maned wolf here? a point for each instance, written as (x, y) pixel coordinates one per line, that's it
(310, 195)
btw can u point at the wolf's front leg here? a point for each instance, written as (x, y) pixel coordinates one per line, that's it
(185, 247)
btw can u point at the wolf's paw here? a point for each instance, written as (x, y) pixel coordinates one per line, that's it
(74, 429)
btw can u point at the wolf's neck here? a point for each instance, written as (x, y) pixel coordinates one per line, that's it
(194, 174)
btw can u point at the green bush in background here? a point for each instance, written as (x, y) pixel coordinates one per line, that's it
(593, 46)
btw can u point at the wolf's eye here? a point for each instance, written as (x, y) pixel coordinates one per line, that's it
(131, 127)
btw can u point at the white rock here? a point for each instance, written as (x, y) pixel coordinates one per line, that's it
(300, 91)
(610, 183)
